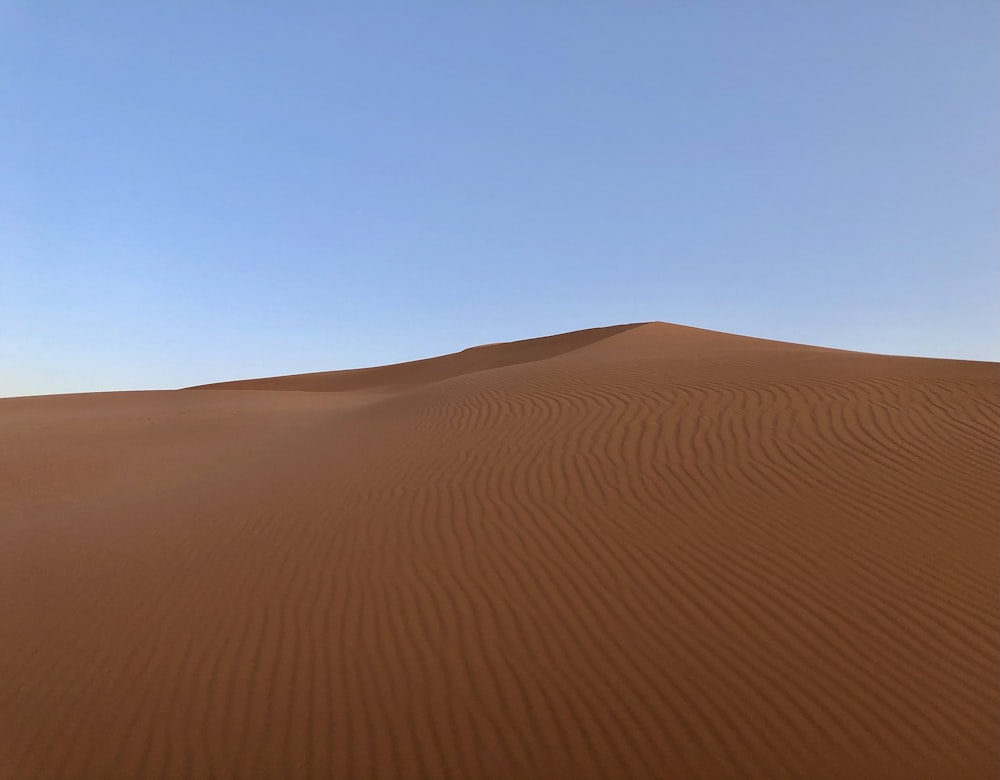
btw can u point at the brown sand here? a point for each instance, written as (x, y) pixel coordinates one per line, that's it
(636, 552)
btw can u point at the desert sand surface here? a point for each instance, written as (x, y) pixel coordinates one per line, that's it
(645, 551)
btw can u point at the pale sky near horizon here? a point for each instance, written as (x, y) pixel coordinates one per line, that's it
(201, 191)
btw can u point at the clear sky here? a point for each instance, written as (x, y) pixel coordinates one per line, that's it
(201, 191)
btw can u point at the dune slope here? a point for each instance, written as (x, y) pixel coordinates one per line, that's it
(640, 552)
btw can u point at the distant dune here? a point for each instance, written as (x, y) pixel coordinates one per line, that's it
(645, 551)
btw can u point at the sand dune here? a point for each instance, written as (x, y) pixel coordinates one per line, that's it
(646, 551)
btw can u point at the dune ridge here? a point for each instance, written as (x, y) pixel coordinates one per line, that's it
(645, 551)
(401, 376)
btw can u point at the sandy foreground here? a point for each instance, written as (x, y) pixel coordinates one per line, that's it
(645, 551)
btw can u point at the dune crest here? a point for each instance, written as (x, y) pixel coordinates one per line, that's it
(643, 551)
(421, 372)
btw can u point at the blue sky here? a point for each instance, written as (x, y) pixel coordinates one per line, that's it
(201, 191)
